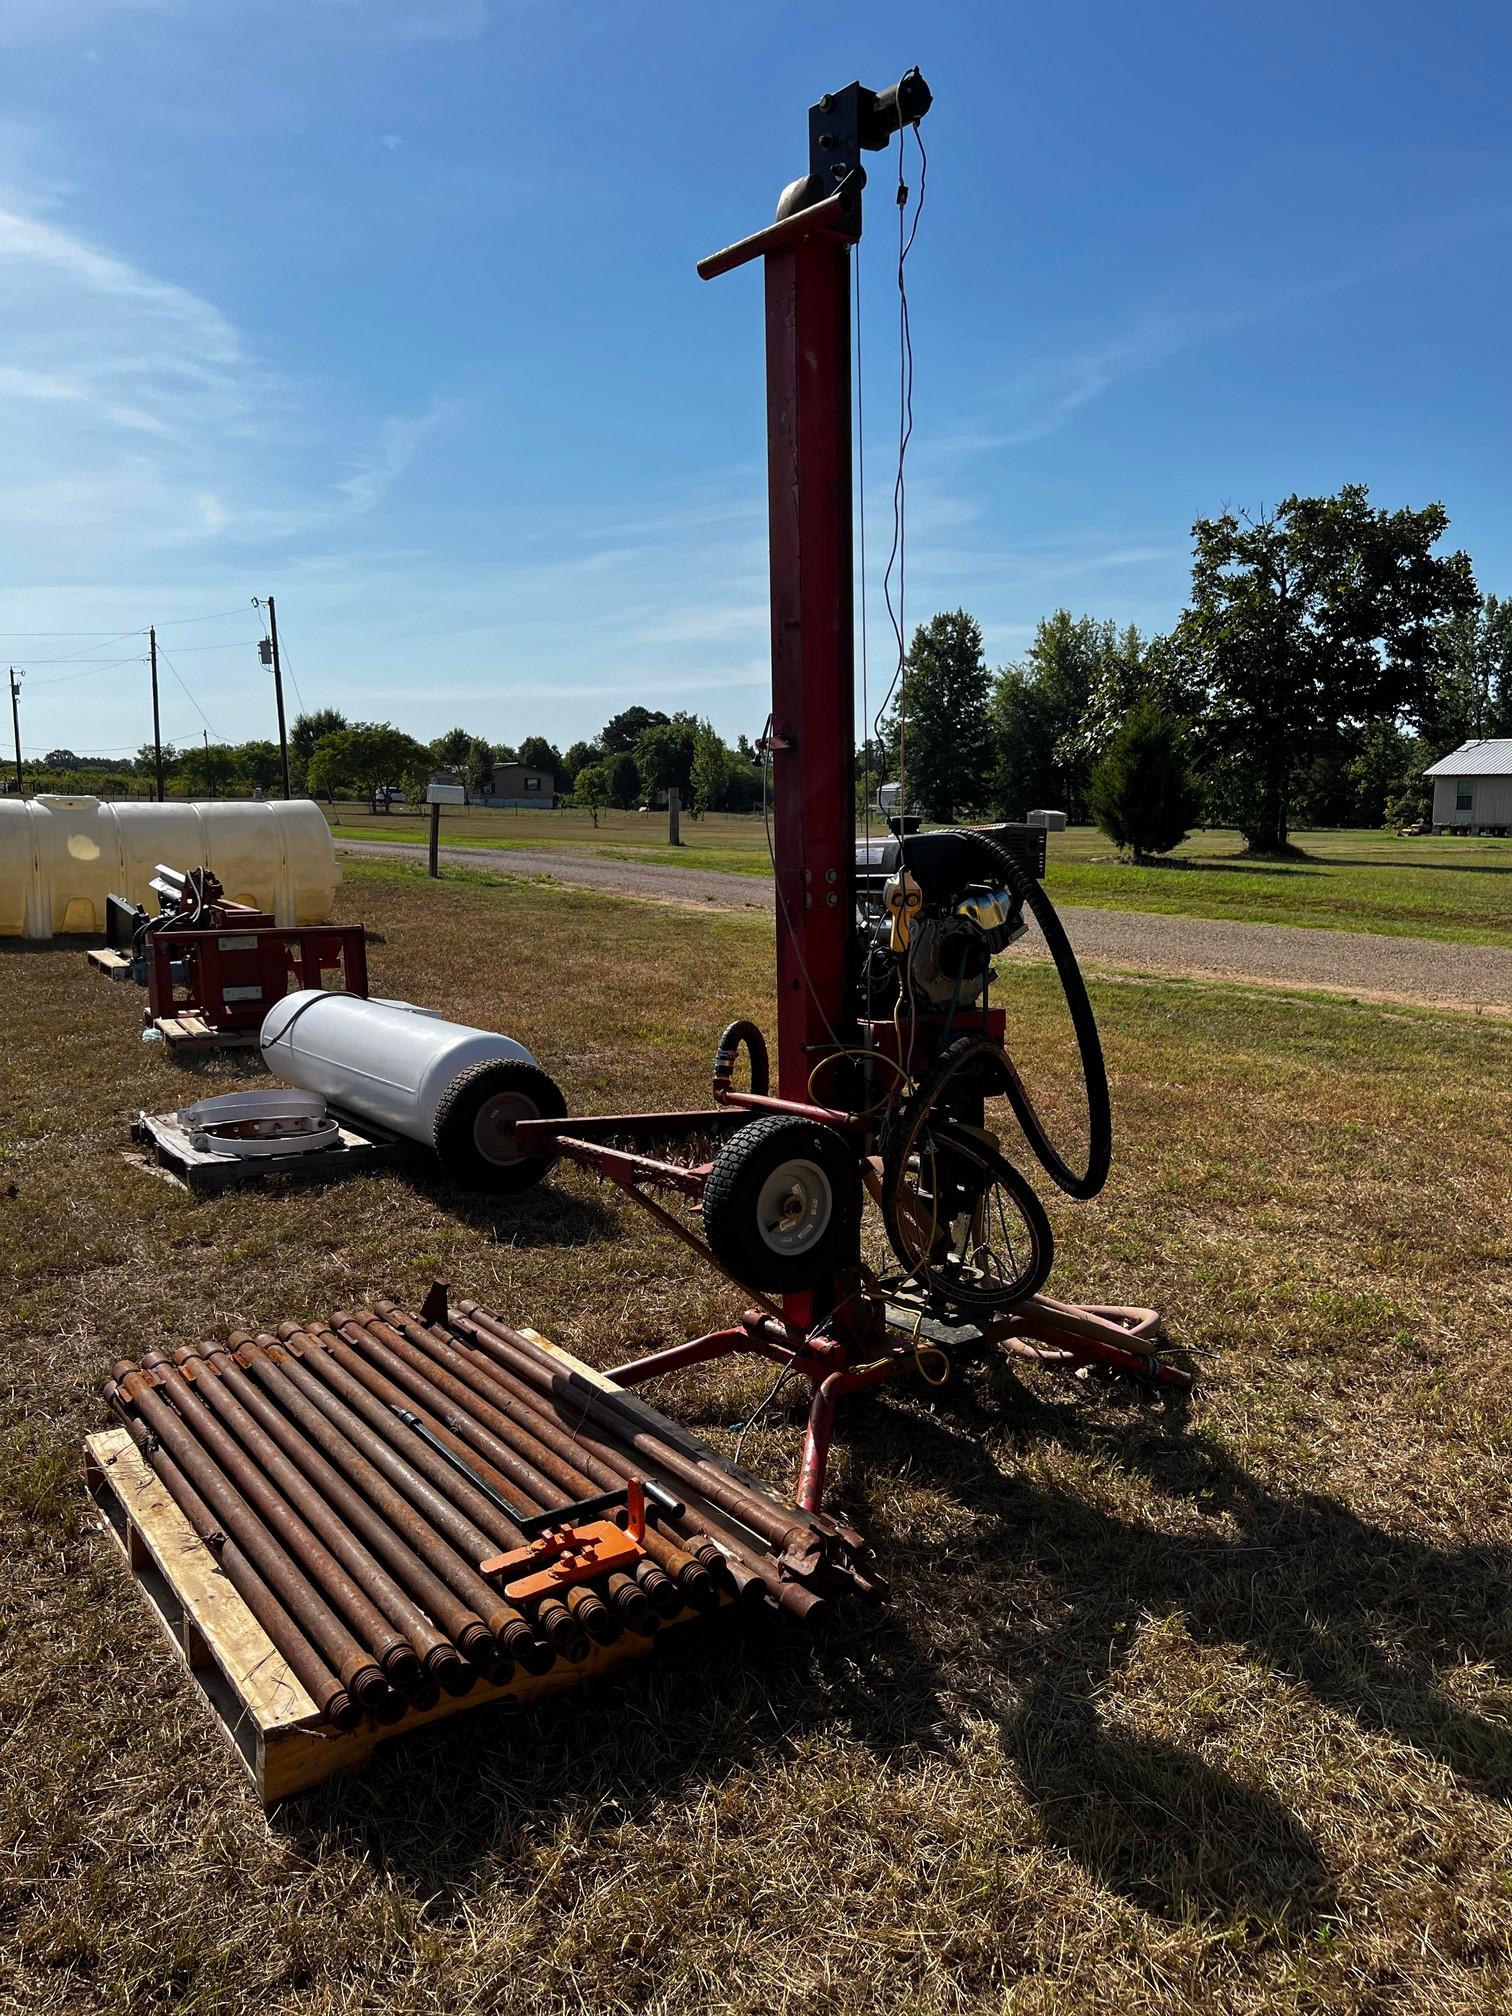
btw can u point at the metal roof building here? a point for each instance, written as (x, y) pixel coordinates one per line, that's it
(1472, 788)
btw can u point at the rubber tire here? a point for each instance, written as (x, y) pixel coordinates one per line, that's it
(743, 1166)
(969, 1299)
(452, 1134)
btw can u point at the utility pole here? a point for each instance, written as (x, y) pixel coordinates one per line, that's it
(283, 737)
(209, 773)
(15, 679)
(157, 729)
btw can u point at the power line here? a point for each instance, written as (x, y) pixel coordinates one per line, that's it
(215, 616)
(66, 678)
(237, 644)
(163, 655)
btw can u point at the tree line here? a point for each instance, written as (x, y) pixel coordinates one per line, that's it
(1328, 654)
(638, 754)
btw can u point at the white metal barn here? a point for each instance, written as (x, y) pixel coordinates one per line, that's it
(1472, 788)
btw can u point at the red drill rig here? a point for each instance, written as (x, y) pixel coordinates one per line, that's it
(895, 1082)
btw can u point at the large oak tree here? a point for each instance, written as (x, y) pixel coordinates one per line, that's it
(1319, 617)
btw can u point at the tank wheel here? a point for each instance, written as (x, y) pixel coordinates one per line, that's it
(779, 1208)
(474, 1128)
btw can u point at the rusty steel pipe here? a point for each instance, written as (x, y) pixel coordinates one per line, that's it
(376, 1397)
(354, 1665)
(472, 1546)
(491, 1644)
(393, 1651)
(594, 1615)
(352, 1344)
(775, 1524)
(736, 1562)
(445, 1492)
(435, 1653)
(489, 1394)
(547, 1484)
(368, 1394)
(313, 1674)
(444, 1655)
(631, 1603)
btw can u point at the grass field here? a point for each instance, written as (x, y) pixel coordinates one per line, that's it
(1458, 889)
(1202, 1713)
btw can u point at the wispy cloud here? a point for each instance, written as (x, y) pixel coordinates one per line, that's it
(378, 472)
(134, 414)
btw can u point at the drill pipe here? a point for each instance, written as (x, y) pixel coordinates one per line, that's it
(484, 1428)
(775, 1523)
(487, 1454)
(463, 1514)
(313, 1674)
(441, 1655)
(517, 1482)
(506, 1406)
(355, 1666)
(732, 1561)
(393, 1651)
(563, 1625)
(349, 1449)
(753, 1571)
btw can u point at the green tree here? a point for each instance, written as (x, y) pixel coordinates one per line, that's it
(710, 777)
(1321, 616)
(368, 760)
(259, 766)
(304, 738)
(621, 780)
(579, 755)
(478, 767)
(591, 787)
(940, 727)
(1384, 773)
(539, 754)
(1051, 716)
(623, 731)
(449, 752)
(206, 771)
(1142, 793)
(664, 756)
(1472, 691)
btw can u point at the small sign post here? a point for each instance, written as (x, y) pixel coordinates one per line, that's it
(437, 795)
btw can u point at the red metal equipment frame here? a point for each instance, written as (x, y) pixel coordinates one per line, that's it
(236, 963)
(844, 1335)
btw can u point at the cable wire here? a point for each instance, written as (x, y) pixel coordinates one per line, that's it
(166, 660)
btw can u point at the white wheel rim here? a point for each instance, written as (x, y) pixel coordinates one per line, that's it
(494, 1124)
(794, 1207)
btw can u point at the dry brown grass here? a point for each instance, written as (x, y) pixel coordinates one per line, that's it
(1209, 1715)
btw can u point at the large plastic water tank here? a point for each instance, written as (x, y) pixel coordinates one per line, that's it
(456, 1089)
(61, 856)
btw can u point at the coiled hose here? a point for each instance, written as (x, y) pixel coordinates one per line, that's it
(1016, 877)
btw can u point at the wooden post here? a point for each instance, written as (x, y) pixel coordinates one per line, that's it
(435, 838)
(674, 816)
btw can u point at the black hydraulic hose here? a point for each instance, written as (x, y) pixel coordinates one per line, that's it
(1083, 1021)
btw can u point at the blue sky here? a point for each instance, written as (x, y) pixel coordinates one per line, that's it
(388, 307)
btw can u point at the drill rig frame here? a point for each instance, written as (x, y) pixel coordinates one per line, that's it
(907, 1119)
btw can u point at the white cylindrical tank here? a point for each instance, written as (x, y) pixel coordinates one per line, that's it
(60, 856)
(457, 1090)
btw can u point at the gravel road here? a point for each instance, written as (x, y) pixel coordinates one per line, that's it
(1422, 971)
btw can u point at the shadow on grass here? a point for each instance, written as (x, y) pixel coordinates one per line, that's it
(1017, 1628)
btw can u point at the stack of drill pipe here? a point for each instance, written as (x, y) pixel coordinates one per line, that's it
(355, 1536)
(743, 1538)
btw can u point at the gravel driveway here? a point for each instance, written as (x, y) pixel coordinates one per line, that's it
(1368, 966)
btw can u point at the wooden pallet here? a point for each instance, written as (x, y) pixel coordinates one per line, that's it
(205, 1172)
(114, 965)
(258, 1703)
(191, 1032)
